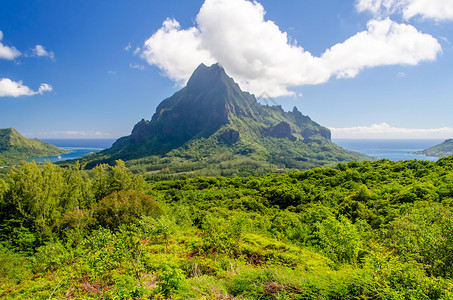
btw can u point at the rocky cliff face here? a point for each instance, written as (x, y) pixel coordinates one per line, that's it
(281, 130)
(197, 111)
(212, 100)
(213, 115)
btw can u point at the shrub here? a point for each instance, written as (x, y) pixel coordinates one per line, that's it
(170, 280)
(424, 234)
(124, 207)
(339, 240)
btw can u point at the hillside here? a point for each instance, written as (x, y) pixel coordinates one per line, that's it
(15, 147)
(371, 230)
(214, 128)
(441, 150)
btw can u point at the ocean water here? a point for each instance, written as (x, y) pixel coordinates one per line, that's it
(81, 143)
(390, 149)
(78, 148)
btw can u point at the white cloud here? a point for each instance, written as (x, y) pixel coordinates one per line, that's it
(112, 72)
(70, 134)
(9, 88)
(137, 66)
(384, 130)
(137, 51)
(6, 52)
(129, 46)
(44, 87)
(177, 52)
(261, 57)
(383, 43)
(39, 50)
(438, 10)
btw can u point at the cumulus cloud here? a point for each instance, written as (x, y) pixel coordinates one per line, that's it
(263, 59)
(9, 88)
(438, 10)
(6, 52)
(383, 43)
(129, 46)
(39, 50)
(177, 52)
(384, 130)
(44, 87)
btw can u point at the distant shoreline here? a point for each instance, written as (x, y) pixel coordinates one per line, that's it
(392, 149)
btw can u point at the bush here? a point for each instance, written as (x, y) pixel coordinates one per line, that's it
(13, 267)
(424, 234)
(170, 280)
(124, 207)
(339, 240)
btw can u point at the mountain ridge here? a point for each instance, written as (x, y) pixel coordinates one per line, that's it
(15, 147)
(212, 116)
(443, 149)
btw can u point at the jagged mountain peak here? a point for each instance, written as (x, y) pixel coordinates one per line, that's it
(213, 100)
(213, 115)
(205, 79)
(210, 100)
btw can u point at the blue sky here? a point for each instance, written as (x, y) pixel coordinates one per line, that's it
(93, 69)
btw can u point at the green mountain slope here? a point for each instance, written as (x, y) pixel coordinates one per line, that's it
(15, 147)
(212, 125)
(443, 149)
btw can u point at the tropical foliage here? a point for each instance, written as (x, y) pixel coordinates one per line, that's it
(371, 230)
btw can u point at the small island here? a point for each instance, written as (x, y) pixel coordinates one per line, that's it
(14, 147)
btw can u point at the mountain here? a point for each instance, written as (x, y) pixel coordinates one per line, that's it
(212, 125)
(441, 150)
(15, 147)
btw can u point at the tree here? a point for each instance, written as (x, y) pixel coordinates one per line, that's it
(108, 179)
(35, 193)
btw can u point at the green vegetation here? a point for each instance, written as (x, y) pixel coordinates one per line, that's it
(211, 127)
(370, 230)
(442, 150)
(14, 147)
(209, 157)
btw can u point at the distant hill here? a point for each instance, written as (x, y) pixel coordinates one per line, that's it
(15, 147)
(214, 128)
(441, 150)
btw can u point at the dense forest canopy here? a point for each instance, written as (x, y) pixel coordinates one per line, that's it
(370, 230)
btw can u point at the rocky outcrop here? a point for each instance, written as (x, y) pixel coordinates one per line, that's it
(230, 136)
(281, 130)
